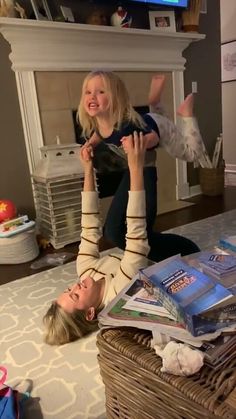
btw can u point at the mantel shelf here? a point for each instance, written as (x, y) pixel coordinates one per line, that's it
(47, 45)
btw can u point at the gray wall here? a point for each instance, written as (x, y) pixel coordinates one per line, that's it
(14, 172)
(203, 66)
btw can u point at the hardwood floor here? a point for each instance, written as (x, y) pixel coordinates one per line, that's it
(204, 207)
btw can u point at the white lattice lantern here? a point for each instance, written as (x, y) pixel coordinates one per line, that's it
(57, 183)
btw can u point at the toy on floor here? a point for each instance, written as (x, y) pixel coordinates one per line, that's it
(16, 225)
(42, 242)
(7, 210)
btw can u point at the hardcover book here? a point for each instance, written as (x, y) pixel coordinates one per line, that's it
(220, 265)
(191, 295)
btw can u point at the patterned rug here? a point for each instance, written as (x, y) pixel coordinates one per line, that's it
(65, 380)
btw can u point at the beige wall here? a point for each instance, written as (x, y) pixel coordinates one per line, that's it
(59, 93)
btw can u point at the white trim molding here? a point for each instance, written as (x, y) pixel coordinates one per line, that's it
(44, 45)
(230, 175)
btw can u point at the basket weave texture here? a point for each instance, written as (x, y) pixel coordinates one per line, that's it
(137, 389)
(20, 248)
(212, 181)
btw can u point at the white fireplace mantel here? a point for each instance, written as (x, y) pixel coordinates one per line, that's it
(45, 45)
(59, 46)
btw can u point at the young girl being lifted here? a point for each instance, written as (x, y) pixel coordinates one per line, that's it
(107, 117)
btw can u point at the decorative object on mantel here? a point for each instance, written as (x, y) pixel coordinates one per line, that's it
(57, 184)
(7, 8)
(97, 17)
(162, 20)
(21, 11)
(67, 14)
(121, 18)
(190, 17)
(41, 10)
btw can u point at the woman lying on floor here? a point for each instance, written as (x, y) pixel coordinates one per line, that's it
(74, 313)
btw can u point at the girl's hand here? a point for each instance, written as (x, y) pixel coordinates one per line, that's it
(86, 155)
(94, 140)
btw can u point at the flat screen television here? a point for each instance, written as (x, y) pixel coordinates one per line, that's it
(173, 3)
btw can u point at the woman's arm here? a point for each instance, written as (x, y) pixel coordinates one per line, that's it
(90, 219)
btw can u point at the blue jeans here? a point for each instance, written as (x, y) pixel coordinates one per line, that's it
(162, 245)
(115, 224)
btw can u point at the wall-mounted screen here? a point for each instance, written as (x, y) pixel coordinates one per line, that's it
(173, 3)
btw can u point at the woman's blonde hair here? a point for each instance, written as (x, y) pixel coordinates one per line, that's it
(120, 107)
(63, 327)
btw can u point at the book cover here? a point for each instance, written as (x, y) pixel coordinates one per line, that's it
(219, 351)
(147, 300)
(220, 264)
(228, 242)
(189, 293)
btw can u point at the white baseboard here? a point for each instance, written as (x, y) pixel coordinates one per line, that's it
(182, 191)
(230, 175)
(195, 190)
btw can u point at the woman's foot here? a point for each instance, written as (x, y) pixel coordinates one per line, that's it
(186, 108)
(156, 87)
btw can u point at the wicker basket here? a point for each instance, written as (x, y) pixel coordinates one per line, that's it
(20, 248)
(212, 181)
(137, 389)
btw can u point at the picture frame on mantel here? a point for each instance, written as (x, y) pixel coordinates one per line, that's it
(162, 20)
(41, 9)
(228, 61)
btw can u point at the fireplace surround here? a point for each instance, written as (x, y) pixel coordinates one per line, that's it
(43, 47)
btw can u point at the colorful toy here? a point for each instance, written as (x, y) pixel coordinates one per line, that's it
(7, 210)
(15, 226)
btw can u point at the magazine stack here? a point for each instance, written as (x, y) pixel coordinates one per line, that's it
(182, 302)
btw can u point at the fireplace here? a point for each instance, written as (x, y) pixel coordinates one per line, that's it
(45, 49)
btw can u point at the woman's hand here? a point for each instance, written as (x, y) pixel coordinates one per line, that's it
(135, 147)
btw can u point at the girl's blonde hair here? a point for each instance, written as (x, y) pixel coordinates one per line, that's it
(63, 327)
(120, 107)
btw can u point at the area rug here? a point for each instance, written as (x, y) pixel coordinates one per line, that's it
(206, 233)
(65, 380)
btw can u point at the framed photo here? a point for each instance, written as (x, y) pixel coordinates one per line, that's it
(41, 10)
(228, 61)
(67, 14)
(162, 21)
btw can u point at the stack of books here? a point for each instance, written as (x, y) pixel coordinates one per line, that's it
(219, 265)
(178, 300)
